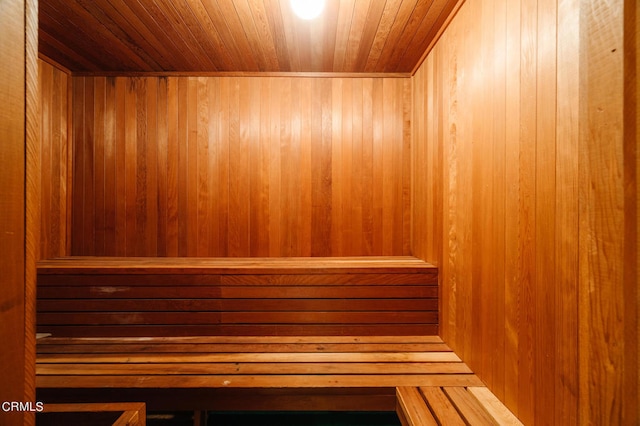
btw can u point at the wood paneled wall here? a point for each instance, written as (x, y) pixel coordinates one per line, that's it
(241, 166)
(520, 170)
(55, 176)
(18, 206)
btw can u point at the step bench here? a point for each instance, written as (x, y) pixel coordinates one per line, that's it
(451, 406)
(102, 297)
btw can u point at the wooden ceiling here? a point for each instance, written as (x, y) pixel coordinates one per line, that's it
(362, 36)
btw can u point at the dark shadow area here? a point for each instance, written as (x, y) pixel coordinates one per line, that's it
(277, 418)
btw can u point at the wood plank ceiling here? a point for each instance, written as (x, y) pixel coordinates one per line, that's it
(361, 36)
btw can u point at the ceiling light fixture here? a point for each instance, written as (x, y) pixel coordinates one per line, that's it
(307, 9)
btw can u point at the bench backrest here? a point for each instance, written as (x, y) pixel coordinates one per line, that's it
(186, 296)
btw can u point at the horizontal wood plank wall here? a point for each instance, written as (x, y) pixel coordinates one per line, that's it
(253, 296)
(518, 190)
(241, 166)
(55, 159)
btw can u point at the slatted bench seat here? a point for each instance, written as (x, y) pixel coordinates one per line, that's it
(451, 406)
(240, 334)
(91, 296)
(246, 372)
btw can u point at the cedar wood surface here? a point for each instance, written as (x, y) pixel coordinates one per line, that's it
(12, 208)
(55, 151)
(515, 238)
(520, 170)
(451, 406)
(18, 224)
(230, 166)
(123, 413)
(241, 296)
(370, 36)
(304, 373)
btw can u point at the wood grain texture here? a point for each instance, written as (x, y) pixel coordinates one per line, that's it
(237, 399)
(632, 130)
(608, 221)
(529, 216)
(32, 200)
(15, 306)
(233, 166)
(55, 169)
(246, 36)
(252, 296)
(413, 408)
(244, 361)
(123, 413)
(451, 406)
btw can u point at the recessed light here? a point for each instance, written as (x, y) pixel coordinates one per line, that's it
(307, 9)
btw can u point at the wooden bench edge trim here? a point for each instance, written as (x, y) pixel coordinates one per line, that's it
(236, 266)
(271, 381)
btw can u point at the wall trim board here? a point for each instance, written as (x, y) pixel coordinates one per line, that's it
(50, 61)
(446, 18)
(242, 74)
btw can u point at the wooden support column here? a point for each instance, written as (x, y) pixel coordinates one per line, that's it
(608, 285)
(18, 238)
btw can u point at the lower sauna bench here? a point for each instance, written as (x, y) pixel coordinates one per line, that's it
(417, 376)
(285, 334)
(113, 414)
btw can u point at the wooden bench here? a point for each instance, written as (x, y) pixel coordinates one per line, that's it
(112, 414)
(88, 296)
(451, 406)
(241, 334)
(246, 372)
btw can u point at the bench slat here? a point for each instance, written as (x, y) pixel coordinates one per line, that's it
(271, 292)
(364, 341)
(208, 318)
(235, 305)
(234, 266)
(470, 408)
(411, 404)
(150, 357)
(159, 368)
(494, 407)
(240, 330)
(252, 381)
(441, 406)
(209, 348)
(99, 277)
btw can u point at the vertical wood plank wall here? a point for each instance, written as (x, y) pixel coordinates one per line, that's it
(241, 166)
(520, 170)
(12, 210)
(55, 176)
(18, 212)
